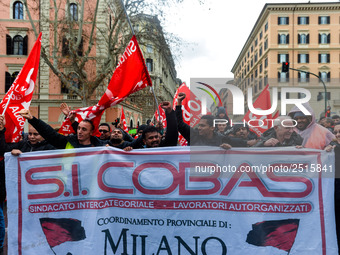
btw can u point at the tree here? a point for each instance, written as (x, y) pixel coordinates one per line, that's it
(87, 39)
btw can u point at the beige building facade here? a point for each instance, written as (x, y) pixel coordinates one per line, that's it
(306, 35)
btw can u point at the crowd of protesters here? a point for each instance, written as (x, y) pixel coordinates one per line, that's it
(210, 131)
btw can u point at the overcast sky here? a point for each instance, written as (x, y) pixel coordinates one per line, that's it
(216, 31)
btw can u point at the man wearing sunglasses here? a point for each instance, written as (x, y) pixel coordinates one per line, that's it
(105, 131)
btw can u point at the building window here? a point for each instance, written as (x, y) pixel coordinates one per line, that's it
(283, 20)
(324, 20)
(66, 46)
(301, 95)
(149, 48)
(303, 77)
(266, 63)
(255, 57)
(73, 78)
(303, 58)
(321, 96)
(73, 12)
(149, 64)
(325, 76)
(303, 38)
(283, 77)
(265, 80)
(261, 34)
(266, 44)
(324, 58)
(282, 58)
(266, 27)
(260, 51)
(18, 45)
(283, 39)
(251, 63)
(324, 38)
(252, 48)
(303, 20)
(256, 42)
(18, 10)
(9, 79)
(261, 68)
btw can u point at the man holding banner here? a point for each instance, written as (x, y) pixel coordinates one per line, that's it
(83, 138)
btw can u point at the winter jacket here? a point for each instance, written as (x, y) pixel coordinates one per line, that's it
(294, 140)
(59, 141)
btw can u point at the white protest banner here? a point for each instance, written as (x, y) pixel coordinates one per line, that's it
(171, 201)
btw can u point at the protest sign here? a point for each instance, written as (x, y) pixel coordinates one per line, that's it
(171, 201)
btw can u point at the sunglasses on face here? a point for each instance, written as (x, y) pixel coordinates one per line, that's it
(103, 131)
(335, 132)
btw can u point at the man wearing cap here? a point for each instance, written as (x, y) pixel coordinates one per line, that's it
(314, 135)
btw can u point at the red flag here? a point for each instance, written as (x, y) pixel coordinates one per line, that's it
(20, 94)
(191, 107)
(162, 118)
(131, 75)
(262, 102)
(123, 120)
(66, 128)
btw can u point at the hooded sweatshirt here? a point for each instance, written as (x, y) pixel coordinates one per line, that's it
(314, 135)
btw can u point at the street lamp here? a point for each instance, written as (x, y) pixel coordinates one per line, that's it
(285, 69)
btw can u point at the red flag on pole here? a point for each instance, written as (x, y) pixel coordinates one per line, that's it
(191, 107)
(123, 120)
(20, 94)
(131, 75)
(161, 118)
(262, 102)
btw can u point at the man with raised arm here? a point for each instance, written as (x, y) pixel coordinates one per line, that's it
(82, 139)
(204, 134)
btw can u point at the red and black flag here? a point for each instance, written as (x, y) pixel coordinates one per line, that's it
(277, 233)
(58, 231)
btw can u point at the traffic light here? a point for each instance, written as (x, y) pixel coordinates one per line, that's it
(285, 67)
(328, 112)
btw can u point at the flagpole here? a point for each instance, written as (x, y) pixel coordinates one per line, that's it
(133, 33)
(9, 99)
(127, 17)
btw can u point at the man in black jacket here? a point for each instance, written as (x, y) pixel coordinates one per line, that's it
(204, 134)
(151, 136)
(82, 139)
(282, 134)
